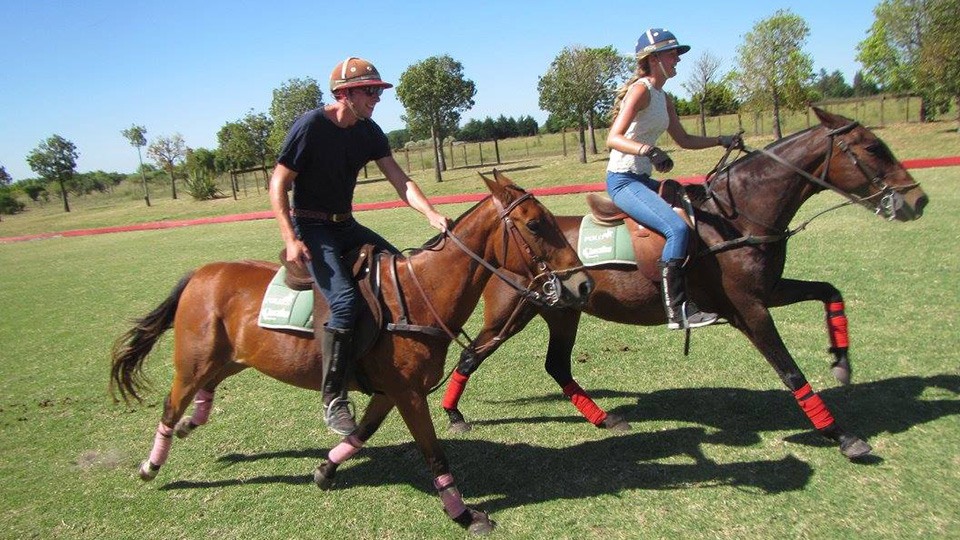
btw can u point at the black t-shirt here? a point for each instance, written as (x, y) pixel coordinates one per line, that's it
(328, 158)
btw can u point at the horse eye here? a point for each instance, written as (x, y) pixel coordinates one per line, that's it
(534, 226)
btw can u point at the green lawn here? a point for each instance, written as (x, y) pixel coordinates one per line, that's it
(718, 447)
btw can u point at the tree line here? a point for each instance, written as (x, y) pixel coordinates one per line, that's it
(910, 48)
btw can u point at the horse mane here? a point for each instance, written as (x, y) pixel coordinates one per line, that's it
(435, 241)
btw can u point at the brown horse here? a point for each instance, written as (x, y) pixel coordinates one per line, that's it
(742, 215)
(214, 312)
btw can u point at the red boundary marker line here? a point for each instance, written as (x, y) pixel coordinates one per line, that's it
(922, 163)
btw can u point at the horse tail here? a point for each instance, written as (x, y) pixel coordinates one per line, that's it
(130, 349)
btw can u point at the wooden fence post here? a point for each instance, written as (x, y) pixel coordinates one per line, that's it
(496, 150)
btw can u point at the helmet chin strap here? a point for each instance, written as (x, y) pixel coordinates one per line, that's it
(349, 103)
(663, 71)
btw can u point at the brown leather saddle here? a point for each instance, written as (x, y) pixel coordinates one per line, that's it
(374, 317)
(647, 243)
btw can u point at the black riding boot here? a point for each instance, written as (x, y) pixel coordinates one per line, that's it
(680, 312)
(337, 350)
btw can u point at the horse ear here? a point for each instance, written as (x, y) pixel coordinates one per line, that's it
(502, 179)
(830, 120)
(492, 185)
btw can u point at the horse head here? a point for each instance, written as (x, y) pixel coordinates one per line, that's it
(532, 245)
(862, 167)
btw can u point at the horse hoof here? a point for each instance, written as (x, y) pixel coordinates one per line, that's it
(476, 522)
(324, 474)
(459, 427)
(184, 427)
(855, 448)
(842, 374)
(147, 472)
(615, 422)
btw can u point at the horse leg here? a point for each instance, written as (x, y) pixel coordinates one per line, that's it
(563, 325)
(416, 414)
(761, 331)
(380, 405)
(792, 291)
(203, 402)
(504, 315)
(197, 361)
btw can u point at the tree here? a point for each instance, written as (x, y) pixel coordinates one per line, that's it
(5, 178)
(168, 152)
(434, 92)
(578, 83)
(704, 72)
(912, 47)
(137, 135)
(773, 70)
(55, 159)
(832, 85)
(939, 66)
(863, 85)
(292, 99)
(258, 127)
(236, 145)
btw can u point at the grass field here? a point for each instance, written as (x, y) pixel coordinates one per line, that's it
(718, 450)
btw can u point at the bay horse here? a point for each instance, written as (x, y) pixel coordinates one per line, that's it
(742, 215)
(214, 311)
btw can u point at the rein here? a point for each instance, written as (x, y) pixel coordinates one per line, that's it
(890, 200)
(549, 293)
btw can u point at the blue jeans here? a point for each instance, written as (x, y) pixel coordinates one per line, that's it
(637, 195)
(328, 242)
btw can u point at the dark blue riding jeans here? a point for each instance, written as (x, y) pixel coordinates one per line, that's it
(328, 242)
(637, 195)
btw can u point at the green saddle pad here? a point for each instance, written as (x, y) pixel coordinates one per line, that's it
(285, 308)
(604, 244)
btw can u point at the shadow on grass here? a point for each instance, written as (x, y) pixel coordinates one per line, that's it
(511, 475)
(527, 474)
(867, 409)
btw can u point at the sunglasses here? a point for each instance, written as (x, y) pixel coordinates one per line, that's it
(372, 91)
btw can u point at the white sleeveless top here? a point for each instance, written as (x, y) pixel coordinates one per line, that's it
(646, 127)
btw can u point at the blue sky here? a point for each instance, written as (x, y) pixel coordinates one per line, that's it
(85, 70)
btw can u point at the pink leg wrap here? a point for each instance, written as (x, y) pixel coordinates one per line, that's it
(814, 407)
(458, 383)
(584, 404)
(837, 326)
(345, 450)
(450, 495)
(202, 404)
(161, 445)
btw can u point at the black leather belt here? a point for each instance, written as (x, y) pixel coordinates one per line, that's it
(322, 216)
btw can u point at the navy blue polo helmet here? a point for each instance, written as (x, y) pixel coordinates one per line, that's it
(657, 40)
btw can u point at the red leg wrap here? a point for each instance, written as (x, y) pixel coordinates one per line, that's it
(458, 383)
(584, 404)
(813, 406)
(837, 325)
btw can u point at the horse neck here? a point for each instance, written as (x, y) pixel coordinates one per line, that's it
(765, 192)
(454, 281)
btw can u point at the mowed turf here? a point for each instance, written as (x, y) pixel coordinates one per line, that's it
(718, 448)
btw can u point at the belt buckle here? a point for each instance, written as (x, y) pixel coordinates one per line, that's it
(337, 218)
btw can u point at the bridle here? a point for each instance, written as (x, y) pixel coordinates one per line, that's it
(549, 291)
(885, 202)
(547, 294)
